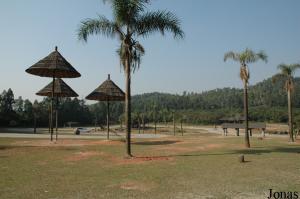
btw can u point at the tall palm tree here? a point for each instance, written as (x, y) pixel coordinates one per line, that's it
(244, 58)
(130, 22)
(287, 73)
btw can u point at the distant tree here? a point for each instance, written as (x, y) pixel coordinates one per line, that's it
(28, 112)
(19, 105)
(287, 72)
(244, 58)
(6, 108)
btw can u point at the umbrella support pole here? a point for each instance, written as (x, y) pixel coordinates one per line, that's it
(107, 119)
(51, 109)
(56, 119)
(49, 119)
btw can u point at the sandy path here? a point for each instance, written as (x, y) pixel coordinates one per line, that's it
(120, 135)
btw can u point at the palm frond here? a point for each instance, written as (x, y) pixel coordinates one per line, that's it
(285, 69)
(101, 25)
(161, 21)
(294, 67)
(231, 55)
(262, 56)
(139, 47)
(138, 52)
(125, 11)
(134, 55)
(246, 57)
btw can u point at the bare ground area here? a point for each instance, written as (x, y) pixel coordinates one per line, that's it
(199, 164)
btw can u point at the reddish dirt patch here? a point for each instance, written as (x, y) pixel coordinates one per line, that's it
(181, 148)
(139, 160)
(82, 156)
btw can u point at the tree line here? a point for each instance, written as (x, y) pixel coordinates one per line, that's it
(267, 101)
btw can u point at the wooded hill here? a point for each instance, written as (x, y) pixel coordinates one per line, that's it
(267, 100)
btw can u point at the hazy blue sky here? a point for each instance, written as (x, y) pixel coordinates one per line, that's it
(30, 29)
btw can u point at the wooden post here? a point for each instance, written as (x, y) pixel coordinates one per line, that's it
(241, 158)
(263, 133)
(250, 131)
(237, 132)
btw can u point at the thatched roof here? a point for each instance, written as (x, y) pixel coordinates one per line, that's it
(53, 65)
(233, 119)
(61, 89)
(252, 125)
(108, 90)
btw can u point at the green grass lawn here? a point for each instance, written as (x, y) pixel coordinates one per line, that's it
(193, 166)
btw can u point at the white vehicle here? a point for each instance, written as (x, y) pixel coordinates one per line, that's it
(81, 130)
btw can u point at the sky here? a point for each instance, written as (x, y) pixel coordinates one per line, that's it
(30, 30)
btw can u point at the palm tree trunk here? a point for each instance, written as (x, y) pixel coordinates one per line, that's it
(139, 123)
(143, 120)
(247, 141)
(128, 108)
(290, 116)
(155, 124)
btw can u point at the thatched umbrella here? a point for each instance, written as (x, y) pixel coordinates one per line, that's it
(61, 90)
(107, 91)
(54, 65)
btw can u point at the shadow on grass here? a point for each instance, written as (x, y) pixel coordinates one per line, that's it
(4, 156)
(251, 151)
(165, 142)
(259, 151)
(7, 147)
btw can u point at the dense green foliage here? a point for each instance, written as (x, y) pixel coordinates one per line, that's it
(267, 100)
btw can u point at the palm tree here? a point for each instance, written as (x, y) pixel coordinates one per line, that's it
(244, 58)
(287, 73)
(130, 22)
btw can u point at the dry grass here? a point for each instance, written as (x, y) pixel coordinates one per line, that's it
(193, 166)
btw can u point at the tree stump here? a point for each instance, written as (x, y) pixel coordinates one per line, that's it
(241, 158)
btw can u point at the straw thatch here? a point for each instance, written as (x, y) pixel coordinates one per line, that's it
(61, 89)
(54, 65)
(107, 91)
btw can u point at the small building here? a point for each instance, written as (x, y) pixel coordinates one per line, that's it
(237, 126)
